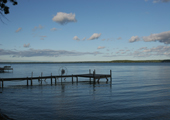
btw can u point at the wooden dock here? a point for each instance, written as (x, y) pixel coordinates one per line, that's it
(94, 76)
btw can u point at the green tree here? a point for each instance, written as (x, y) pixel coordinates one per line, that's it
(4, 9)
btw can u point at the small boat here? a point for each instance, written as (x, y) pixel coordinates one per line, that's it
(3, 69)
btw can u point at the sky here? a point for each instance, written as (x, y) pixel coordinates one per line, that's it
(85, 30)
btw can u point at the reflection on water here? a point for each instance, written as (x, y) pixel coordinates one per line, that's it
(137, 91)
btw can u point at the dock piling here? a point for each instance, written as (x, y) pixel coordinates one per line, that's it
(72, 78)
(51, 79)
(31, 81)
(94, 79)
(77, 79)
(55, 81)
(27, 81)
(2, 83)
(110, 76)
(90, 73)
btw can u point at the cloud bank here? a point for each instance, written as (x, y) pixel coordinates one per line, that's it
(163, 37)
(94, 36)
(64, 18)
(44, 52)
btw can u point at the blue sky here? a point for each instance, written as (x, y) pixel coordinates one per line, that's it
(85, 30)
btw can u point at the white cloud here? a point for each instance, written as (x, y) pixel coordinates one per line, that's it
(119, 38)
(42, 37)
(101, 47)
(134, 39)
(26, 45)
(163, 37)
(84, 38)
(39, 27)
(53, 29)
(35, 28)
(64, 18)
(143, 48)
(165, 0)
(94, 36)
(19, 29)
(76, 38)
(156, 1)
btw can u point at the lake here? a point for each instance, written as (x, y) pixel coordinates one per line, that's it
(137, 91)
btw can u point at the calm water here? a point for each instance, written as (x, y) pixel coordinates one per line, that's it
(137, 91)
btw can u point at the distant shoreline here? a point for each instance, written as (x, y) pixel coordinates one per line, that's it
(113, 61)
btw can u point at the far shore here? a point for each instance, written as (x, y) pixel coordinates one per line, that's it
(113, 61)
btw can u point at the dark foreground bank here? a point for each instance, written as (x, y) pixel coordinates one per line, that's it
(4, 117)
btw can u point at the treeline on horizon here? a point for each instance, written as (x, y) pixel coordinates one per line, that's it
(113, 61)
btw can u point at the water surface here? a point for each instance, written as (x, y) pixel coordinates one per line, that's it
(137, 91)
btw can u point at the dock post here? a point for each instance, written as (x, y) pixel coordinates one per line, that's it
(31, 78)
(2, 83)
(51, 79)
(27, 81)
(76, 79)
(31, 81)
(90, 73)
(41, 77)
(72, 78)
(94, 79)
(55, 81)
(110, 76)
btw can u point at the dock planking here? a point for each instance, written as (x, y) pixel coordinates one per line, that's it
(90, 75)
